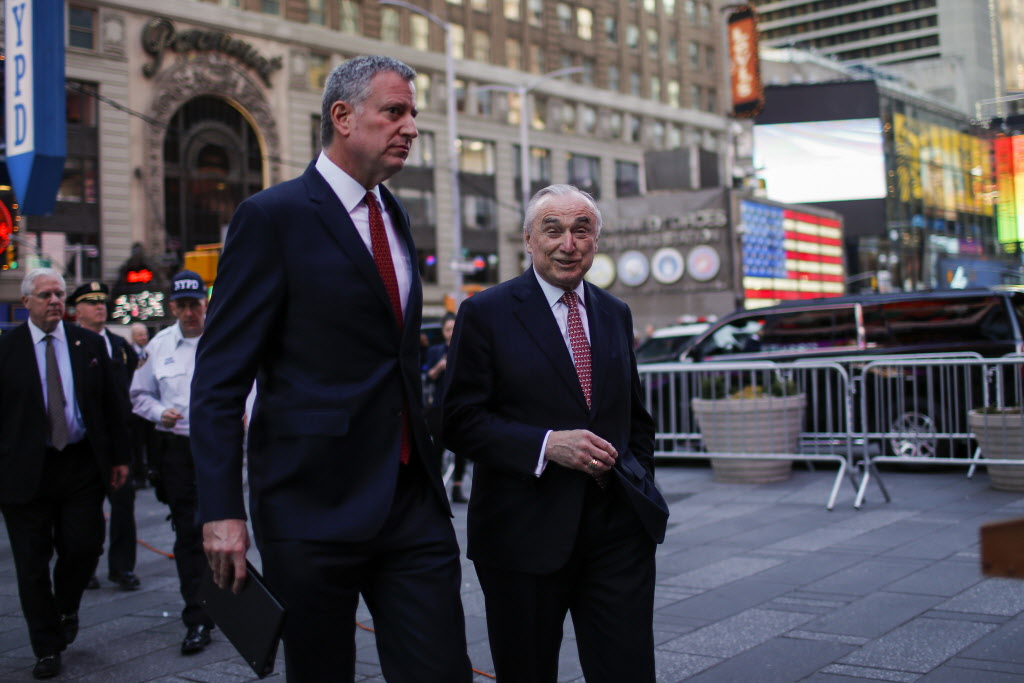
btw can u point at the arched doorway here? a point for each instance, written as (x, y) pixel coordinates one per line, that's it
(212, 160)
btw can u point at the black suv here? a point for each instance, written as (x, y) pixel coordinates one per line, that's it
(988, 322)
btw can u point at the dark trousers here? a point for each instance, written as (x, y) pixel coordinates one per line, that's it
(178, 475)
(66, 515)
(409, 576)
(608, 588)
(123, 536)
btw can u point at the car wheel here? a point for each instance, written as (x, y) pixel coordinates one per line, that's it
(914, 436)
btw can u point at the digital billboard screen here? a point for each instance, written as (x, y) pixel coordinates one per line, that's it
(821, 161)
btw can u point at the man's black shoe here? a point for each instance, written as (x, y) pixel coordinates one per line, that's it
(93, 584)
(46, 667)
(69, 627)
(126, 581)
(197, 638)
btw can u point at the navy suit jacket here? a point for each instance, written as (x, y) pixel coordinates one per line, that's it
(299, 306)
(510, 379)
(23, 421)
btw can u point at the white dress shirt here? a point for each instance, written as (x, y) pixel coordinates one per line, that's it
(165, 380)
(561, 312)
(73, 416)
(351, 194)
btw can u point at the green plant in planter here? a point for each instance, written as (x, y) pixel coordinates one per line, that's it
(746, 385)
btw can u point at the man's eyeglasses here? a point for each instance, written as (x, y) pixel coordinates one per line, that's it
(45, 296)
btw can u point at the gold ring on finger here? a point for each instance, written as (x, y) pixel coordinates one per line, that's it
(593, 464)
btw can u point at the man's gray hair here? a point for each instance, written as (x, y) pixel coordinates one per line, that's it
(29, 282)
(350, 82)
(559, 190)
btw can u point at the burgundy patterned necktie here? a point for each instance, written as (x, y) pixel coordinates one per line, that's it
(578, 342)
(386, 267)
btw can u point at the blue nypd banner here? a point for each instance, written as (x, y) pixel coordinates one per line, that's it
(35, 103)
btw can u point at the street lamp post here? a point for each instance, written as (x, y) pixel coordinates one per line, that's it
(523, 91)
(453, 152)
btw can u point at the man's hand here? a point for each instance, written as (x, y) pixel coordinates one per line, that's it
(225, 542)
(170, 417)
(439, 367)
(581, 449)
(118, 476)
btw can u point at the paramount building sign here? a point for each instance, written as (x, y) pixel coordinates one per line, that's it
(160, 35)
(705, 226)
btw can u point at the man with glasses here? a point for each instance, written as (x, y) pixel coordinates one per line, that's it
(61, 449)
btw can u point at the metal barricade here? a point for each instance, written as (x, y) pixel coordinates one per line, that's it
(928, 410)
(816, 396)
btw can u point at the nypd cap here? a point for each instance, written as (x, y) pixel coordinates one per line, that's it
(187, 285)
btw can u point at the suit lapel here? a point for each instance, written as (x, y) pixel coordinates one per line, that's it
(31, 366)
(339, 226)
(598, 320)
(534, 313)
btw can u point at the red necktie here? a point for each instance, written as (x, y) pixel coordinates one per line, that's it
(386, 267)
(579, 344)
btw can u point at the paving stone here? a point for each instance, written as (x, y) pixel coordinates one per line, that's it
(869, 674)
(991, 596)
(874, 615)
(867, 576)
(736, 634)
(727, 601)
(919, 646)
(781, 660)
(807, 568)
(1003, 644)
(723, 572)
(946, 578)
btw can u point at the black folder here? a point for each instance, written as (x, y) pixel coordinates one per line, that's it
(251, 619)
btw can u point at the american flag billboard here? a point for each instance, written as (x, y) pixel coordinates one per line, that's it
(789, 255)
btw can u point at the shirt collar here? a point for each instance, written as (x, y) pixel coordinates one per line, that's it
(554, 294)
(38, 335)
(347, 188)
(175, 334)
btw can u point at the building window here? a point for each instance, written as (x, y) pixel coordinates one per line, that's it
(704, 14)
(614, 84)
(82, 27)
(481, 46)
(652, 43)
(587, 120)
(651, 6)
(564, 14)
(536, 12)
(695, 97)
(536, 58)
(589, 67)
(709, 57)
(80, 104)
(512, 10)
(673, 137)
(611, 30)
(694, 54)
(657, 135)
(513, 54)
(318, 70)
(476, 156)
(538, 112)
(712, 99)
(584, 23)
(270, 6)
(78, 182)
(479, 212)
(627, 179)
(460, 95)
(348, 21)
(481, 5)
(615, 125)
(421, 153)
(670, 7)
(568, 119)
(690, 9)
(422, 92)
(672, 91)
(633, 127)
(632, 36)
(654, 88)
(390, 28)
(458, 41)
(566, 61)
(672, 51)
(315, 13)
(585, 173)
(514, 109)
(634, 83)
(419, 28)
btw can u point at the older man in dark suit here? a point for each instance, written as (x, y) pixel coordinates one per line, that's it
(318, 298)
(544, 396)
(61, 423)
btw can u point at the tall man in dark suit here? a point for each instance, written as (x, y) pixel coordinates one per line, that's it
(544, 396)
(89, 301)
(318, 298)
(61, 424)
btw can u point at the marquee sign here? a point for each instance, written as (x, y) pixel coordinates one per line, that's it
(35, 105)
(744, 65)
(160, 35)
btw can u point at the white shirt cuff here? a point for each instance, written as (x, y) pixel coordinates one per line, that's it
(541, 462)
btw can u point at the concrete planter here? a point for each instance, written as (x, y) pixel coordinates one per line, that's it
(748, 426)
(1001, 437)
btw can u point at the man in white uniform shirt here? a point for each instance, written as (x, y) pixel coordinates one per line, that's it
(160, 393)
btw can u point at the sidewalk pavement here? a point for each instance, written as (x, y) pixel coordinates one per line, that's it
(755, 584)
